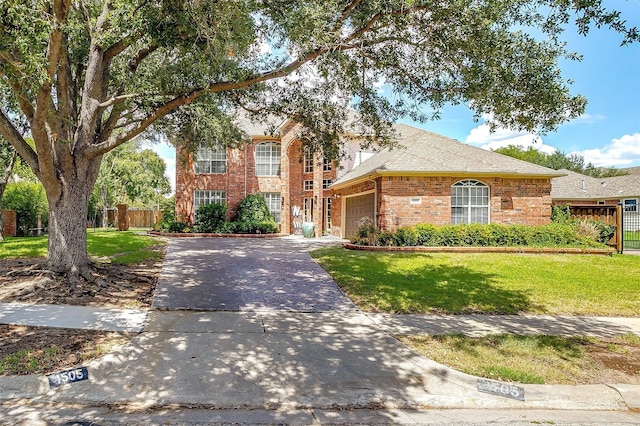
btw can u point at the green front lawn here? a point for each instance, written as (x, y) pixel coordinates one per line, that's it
(124, 247)
(492, 283)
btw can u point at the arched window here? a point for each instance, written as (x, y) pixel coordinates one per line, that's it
(268, 159)
(469, 202)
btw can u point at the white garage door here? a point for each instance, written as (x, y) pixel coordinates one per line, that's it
(356, 208)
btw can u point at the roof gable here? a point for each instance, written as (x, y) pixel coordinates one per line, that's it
(426, 153)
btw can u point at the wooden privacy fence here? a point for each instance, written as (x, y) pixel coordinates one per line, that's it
(134, 218)
(610, 214)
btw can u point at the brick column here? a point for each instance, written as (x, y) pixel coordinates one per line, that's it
(10, 219)
(123, 217)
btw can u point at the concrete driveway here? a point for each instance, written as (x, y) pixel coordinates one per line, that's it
(247, 274)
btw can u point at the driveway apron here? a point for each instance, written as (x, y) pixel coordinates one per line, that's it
(247, 274)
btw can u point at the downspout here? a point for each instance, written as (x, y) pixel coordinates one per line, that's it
(375, 202)
(246, 160)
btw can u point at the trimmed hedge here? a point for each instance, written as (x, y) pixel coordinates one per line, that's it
(476, 235)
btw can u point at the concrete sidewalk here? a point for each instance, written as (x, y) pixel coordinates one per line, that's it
(226, 360)
(78, 317)
(135, 321)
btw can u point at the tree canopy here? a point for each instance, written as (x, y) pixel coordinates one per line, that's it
(82, 77)
(558, 160)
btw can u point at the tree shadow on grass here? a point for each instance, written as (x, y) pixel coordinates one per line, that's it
(378, 284)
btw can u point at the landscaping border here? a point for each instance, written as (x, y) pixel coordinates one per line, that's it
(202, 234)
(523, 250)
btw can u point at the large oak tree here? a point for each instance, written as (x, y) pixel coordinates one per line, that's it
(89, 75)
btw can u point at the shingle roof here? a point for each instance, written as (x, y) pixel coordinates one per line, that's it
(254, 127)
(427, 153)
(576, 186)
(632, 170)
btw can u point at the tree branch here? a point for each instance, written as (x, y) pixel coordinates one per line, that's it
(16, 140)
(117, 99)
(142, 54)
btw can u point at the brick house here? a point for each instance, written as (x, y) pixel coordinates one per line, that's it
(294, 183)
(430, 178)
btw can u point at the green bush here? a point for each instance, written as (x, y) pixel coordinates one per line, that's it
(477, 235)
(177, 227)
(406, 236)
(29, 201)
(367, 231)
(253, 208)
(210, 217)
(560, 214)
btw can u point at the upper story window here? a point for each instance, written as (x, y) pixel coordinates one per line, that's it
(268, 159)
(308, 161)
(469, 202)
(211, 160)
(327, 165)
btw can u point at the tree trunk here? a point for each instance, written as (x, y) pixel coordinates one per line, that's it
(68, 219)
(68, 233)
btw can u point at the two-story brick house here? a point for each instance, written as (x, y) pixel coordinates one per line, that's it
(428, 179)
(295, 183)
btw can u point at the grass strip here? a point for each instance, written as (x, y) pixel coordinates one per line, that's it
(527, 359)
(123, 247)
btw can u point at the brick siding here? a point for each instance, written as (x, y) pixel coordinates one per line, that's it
(521, 201)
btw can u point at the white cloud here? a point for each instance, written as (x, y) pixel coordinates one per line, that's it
(501, 137)
(588, 119)
(620, 152)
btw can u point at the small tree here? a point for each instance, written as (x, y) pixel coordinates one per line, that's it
(7, 159)
(30, 203)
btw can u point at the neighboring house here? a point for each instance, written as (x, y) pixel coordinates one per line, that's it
(578, 189)
(428, 179)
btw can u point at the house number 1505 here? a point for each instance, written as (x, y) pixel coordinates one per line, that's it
(68, 376)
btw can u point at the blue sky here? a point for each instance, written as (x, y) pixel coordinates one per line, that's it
(608, 134)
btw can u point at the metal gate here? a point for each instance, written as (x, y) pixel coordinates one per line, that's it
(631, 227)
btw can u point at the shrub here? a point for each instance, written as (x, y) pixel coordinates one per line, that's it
(406, 236)
(253, 208)
(367, 231)
(595, 230)
(177, 227)
(210, 217)
(30, 203)
(427, 235)
(477, 235)
(561, 214)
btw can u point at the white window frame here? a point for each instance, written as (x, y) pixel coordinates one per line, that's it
(327, 165)
(210, 161)
(307, 185)
(326, 183)
(470, 197)
(208, 196)
(308, 161)
(630, 207)
(274, 202)
(267, 158)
